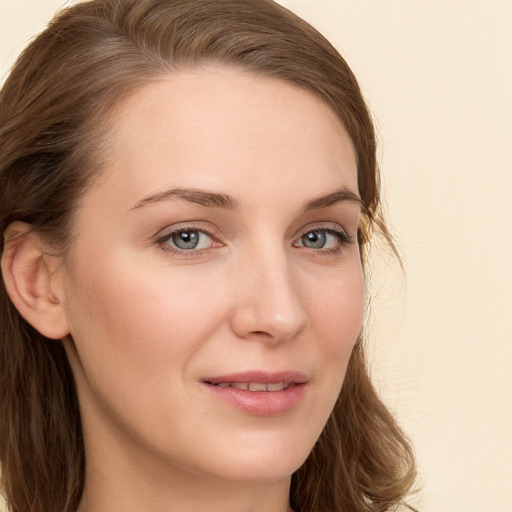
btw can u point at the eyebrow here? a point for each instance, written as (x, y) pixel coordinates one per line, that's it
(224, 201)
(192, 195)
(341, 195)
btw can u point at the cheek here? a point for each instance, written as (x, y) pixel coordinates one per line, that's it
(338, 313)
(136, 330)
(337, 318)
(123, 310)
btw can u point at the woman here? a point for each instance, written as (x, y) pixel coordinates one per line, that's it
(188, 195)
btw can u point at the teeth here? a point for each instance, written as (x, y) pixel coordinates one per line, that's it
(255, 386)
(278, 386)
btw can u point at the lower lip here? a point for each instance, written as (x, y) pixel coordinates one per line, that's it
(261, 403)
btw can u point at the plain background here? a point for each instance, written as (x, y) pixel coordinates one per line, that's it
(438, 77)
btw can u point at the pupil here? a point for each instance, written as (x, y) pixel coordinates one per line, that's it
(186, 239)
(314, 239)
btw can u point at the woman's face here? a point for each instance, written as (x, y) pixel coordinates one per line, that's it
(214, 290)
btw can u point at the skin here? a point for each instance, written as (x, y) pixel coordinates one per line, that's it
(149, 323)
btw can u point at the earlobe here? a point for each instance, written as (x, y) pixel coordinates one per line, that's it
(31, 282)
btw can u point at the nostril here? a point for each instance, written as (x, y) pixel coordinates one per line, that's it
(261, 334)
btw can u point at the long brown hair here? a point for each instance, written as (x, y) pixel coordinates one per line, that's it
(54, 111)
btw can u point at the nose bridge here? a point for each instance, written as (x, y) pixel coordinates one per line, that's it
(268, 302)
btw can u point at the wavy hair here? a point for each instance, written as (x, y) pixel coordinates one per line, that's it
(54, 112)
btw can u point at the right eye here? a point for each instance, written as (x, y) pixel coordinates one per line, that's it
(187, 240)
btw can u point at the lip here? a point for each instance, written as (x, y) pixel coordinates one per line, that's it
(260, 403)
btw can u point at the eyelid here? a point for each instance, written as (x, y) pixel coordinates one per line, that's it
(163, 235)
(335, 229)
(329, 227)
(344, 238)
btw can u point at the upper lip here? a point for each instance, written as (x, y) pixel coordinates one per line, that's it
(263, 377)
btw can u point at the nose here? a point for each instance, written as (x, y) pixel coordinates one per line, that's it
(268, 305)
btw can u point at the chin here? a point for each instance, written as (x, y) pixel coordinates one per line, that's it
(264, 463)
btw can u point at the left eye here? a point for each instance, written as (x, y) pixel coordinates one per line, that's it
(320, 239)
(189, 239)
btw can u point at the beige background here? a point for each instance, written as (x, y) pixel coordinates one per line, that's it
(438, 76)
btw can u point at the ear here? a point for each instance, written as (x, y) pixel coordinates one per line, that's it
(32, 281)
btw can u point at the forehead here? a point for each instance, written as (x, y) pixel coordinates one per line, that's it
(225, 129)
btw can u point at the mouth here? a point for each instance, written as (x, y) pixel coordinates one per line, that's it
(260, 393)
(254, 386)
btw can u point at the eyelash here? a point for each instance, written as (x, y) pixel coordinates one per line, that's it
(163, 240)
(343, 238)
